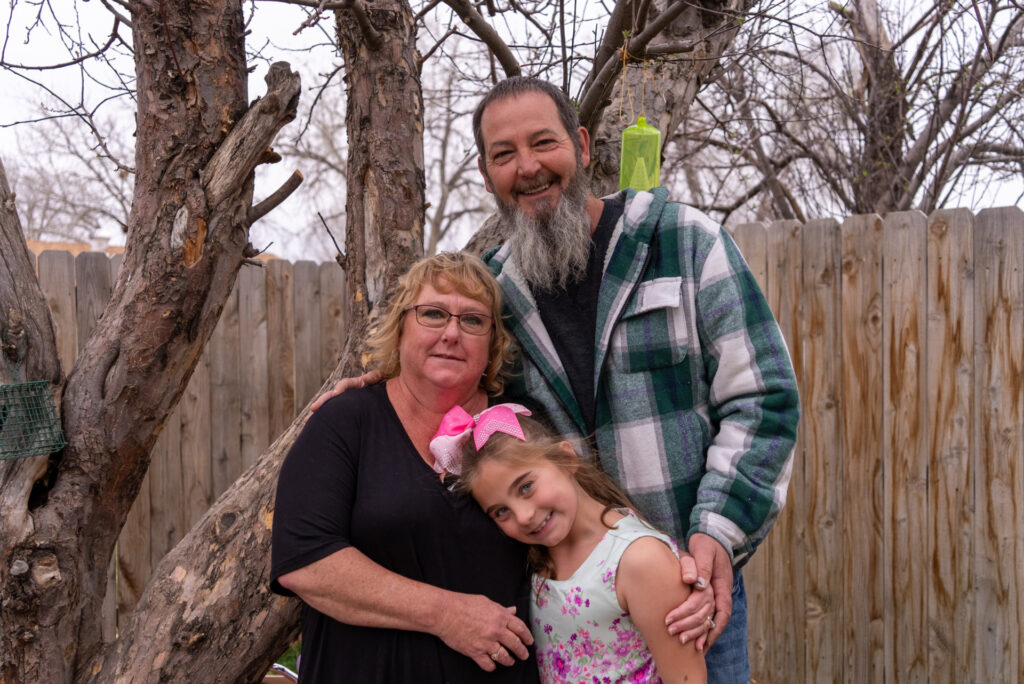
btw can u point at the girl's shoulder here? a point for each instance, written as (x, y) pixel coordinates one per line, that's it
(631, 528)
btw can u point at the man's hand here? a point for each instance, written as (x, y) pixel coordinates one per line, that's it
(368, 378)
(488, 633)
(709, 564)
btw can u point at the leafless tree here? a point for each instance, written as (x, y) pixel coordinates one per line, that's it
(65, 188)
(860, 108)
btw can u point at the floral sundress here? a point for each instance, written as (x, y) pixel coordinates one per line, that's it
(581, 632)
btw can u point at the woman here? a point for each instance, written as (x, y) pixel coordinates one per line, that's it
(404, 580)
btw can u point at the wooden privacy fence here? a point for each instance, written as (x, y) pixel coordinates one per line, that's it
(900, 554)
(279, 337)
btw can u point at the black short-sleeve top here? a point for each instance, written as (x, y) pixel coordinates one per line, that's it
(354, 478)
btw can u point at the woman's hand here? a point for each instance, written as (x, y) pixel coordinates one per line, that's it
(489, 633)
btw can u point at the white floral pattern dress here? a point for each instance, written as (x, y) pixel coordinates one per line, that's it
(581, 632)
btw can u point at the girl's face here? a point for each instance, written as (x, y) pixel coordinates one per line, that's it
(535, 502)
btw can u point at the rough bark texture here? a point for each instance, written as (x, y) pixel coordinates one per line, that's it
(26, 331)
(384, 122)
(184, 247)
(29, 353)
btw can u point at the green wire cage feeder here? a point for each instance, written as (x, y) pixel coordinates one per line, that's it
(29, 425)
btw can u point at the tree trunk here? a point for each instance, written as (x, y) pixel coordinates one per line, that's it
(385, 203)
(878, 178)
(207, 613)
(187, 234)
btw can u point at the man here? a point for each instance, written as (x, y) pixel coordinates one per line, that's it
(642, 329)
(641, 325)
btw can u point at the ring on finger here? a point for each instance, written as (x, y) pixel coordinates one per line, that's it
(497, 653)
(711, 622)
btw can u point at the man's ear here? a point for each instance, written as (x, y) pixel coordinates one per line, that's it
(483, 172)
(584, 146)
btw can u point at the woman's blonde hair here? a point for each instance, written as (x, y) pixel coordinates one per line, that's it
(541, 443)
(446, 271)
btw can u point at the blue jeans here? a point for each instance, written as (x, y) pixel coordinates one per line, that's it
(727, 660)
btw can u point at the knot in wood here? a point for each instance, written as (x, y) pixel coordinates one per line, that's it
(45, 570)
(19, 568)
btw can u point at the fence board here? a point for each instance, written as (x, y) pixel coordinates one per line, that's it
(906, 460)
(752, 239)
(57, 281)
(950, 376)
(93, 285)
(166, 491)
(999, 350)
(821, 461)
(226, 398)
(252, 328)
(307, 332)
(333, 316)
(785, 554)
(280, 346)
(196, 464)
(861, 415)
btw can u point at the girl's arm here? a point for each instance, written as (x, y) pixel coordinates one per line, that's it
(648, 587)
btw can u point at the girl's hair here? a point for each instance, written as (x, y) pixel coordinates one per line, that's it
(446, 272)
(541, 443)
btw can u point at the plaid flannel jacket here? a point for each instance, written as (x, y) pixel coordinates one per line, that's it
(697, 404)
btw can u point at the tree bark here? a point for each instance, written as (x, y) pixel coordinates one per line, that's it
(185, 244)
(26, 329)
(385, 204)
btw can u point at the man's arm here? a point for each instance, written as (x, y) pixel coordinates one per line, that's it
(754, 408)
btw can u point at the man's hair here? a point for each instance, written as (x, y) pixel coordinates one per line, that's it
(518, 85)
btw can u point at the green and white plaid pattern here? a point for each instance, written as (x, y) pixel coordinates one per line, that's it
(697, 404)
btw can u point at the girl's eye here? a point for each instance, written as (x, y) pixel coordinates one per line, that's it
(499, 513)
(526, 488)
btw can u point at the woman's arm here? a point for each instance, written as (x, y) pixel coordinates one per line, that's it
(648, 587)
(351, 588)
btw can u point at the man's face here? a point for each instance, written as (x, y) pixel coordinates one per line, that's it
(529, 158)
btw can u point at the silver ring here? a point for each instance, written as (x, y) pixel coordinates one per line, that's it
(711, 622)
(496, 654)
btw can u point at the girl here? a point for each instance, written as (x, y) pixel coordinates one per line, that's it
(603, 579)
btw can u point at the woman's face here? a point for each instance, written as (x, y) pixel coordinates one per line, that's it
(446, 357)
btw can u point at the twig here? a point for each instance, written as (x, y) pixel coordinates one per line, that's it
(426, 55)
(274, 199)
(485, 32)
(77, 60)
(341, 258)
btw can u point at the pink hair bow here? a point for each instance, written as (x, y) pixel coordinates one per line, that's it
(457, 426)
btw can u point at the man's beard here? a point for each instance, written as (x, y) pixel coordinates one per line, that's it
(552, 248)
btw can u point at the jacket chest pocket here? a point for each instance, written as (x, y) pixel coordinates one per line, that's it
(652, 332)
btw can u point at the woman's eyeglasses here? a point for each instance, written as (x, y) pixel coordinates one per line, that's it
(431, 316)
